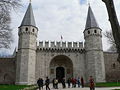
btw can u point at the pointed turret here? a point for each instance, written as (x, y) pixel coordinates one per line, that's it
(93, 47)
(26, 55)
(28, 19)
(91, 21)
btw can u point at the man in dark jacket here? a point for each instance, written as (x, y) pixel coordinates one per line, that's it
(69, 81)
(63, 83)
(40, 83)
(47, 82)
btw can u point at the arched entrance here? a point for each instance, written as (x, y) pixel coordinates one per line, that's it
(60, 73)
(61, 66)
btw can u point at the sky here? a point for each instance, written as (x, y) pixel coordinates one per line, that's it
(62, 17)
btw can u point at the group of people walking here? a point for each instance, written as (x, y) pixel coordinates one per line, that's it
(56, 81)
(72, 82)
(41, 84)
(76, 82)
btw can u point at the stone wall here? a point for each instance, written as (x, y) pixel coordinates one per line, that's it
(7, 70)
(26, 56)
(112, 67)
(46, 55)
(94, 54)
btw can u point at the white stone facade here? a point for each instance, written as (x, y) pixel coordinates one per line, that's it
(73, 57)
(59, 59)
(26, 56)
(94, 54)
(49, 58)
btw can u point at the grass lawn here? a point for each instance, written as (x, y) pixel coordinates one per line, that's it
(12, 87)
(110, 84)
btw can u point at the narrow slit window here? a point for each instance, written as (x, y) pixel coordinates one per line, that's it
(88, 32)
(95, 31)
(33, 30)
(113, 66)
(26, 29)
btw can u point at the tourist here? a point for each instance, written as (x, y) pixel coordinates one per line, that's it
(56, 83)
(40, 83)
(92, 85)
(63, 83)
(69, 81)
(82, 82)
(47, 82)
(73, 82)
(78, 82)
(53, 81)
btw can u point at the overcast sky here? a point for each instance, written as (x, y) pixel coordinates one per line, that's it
(62, 17)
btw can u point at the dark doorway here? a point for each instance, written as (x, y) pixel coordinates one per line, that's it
(60, 73)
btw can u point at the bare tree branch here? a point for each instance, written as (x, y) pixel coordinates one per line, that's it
(5, 31)
(109, 36)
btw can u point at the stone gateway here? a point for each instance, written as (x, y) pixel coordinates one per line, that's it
(58, 59)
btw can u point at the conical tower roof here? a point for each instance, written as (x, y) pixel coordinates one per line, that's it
(28, 19)
(91, 21)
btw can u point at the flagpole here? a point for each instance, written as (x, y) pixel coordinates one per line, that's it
(61, 40)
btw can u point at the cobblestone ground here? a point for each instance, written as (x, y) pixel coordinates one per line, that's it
(60, 88)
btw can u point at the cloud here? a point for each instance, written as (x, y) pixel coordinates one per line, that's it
(63, 17)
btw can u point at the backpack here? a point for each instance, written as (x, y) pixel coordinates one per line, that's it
(56, 81)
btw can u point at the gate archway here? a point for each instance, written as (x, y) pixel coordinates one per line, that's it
(61, 66)
(60, 73)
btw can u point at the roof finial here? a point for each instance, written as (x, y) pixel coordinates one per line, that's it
(30, 1)
(88, 2)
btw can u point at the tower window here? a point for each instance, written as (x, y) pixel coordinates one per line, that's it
(88, 32)
(95, 31)
(26, 29)
(33, 30)
(52, 71)
(113, 66)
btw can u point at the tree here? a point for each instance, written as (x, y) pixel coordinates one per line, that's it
(109, 36)
(5, 31)
(114, 24)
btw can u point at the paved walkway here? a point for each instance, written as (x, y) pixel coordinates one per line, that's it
(60, 88)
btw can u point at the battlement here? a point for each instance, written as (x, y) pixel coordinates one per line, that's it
(61, 45)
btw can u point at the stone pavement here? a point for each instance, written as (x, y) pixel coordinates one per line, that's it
(86, 88)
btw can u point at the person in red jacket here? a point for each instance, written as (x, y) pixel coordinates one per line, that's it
(92, 85)
(82, 82)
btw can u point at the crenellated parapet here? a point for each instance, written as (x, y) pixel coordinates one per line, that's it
(60, 46)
